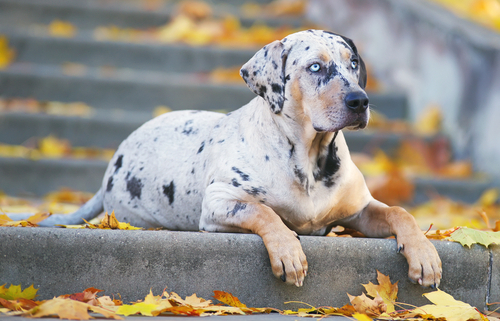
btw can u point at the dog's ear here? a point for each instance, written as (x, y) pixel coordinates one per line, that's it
(362, 68)
(264, 74)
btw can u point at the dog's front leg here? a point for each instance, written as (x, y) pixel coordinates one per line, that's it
(380, 220)
(221, 213)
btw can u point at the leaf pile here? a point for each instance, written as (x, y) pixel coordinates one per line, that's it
(484, 12)
(64, 201)
(52, 147)
(378, 302)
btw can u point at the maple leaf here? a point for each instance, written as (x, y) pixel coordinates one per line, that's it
(68, 309)
(29, 222)
(467, 237)
(365, 305)
(110, 222)
(445, 306)
(18, 305)
(87, 296)
(385, 289)
(13, 292)
(229, 299)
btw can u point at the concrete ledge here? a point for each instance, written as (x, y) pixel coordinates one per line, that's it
(60, 261)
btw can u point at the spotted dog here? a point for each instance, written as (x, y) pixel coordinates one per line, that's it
(278, 167)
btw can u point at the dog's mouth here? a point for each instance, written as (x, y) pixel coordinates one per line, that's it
(357, 121)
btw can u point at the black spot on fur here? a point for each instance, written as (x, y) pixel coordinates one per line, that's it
(169, 191)
(188, 129)
(275, 66)
(254, 191)
(109, 187)
(118, 163)
(221, 141)
(262, 91)
(192, 171)
(244, 73)
(307, 48)
(292, 148)
(134, 187)
(277, 88)
(243, 176)
(235, 183)
(201, 147)
(328, 166)
(294, 62)
(267, 158)
(300, 174)
(238, 207)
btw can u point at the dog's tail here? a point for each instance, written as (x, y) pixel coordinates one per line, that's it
(88, 211)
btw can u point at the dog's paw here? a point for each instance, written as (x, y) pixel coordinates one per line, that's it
(288, 261)
(423, 260)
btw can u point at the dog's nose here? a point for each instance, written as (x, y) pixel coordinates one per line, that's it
(357, 101)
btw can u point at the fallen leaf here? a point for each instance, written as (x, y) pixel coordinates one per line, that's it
(29, 222)
(385, 289)
(6, 54)
(14, 292)
(59, 28)
(365, 305)
(18, 305)
(228, 299)
(445, 306)
(429, 122)
(68, 309)
(109, 222)
(467, 237)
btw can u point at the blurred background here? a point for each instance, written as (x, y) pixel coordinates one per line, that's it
(78, 76)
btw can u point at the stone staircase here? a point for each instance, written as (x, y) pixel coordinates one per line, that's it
(125, 81)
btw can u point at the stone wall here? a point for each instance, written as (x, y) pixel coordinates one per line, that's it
(417, 47)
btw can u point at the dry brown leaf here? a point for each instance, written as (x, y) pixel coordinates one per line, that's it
(68, 309)
(365, 305)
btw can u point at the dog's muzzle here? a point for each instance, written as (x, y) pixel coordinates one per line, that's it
(357, 103)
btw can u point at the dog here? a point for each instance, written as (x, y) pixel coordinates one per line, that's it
(278, 167)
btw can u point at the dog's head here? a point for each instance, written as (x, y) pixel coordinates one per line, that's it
(318, 72)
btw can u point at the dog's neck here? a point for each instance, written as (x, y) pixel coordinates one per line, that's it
(309, 148)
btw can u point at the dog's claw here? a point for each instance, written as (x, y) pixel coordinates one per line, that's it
(400, 248)
(434, 286)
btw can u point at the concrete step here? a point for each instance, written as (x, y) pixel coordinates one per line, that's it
(83, 49)
(38, 177)
(61, 261)
(89, 14)
(135, 90)
(124, 89)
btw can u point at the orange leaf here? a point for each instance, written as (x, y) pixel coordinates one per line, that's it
(228, 299)
(368, 306)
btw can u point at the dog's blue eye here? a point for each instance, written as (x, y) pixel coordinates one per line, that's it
(354, 64)
(315, 67)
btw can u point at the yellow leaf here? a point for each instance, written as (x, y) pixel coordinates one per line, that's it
(6, 54)
(445, 306)
(58, 28)
(137, 308)
(361, 317)
(429, 122)
(489, 197)
(385, 289)
(160, 110)
(228, 299)
(52, 147)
